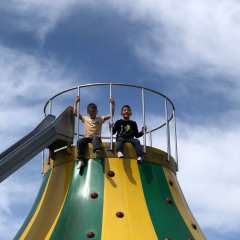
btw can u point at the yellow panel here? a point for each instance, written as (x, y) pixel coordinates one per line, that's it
(123, 193)
(50, 205)
(183, 206)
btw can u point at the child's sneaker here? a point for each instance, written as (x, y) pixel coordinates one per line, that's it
(120, 155)
(139, 160)
(80, 164)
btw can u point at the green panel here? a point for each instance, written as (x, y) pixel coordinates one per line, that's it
(166, 218)
(35, 205)
(81, 213)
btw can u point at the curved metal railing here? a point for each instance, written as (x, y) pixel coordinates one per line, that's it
(170, 117)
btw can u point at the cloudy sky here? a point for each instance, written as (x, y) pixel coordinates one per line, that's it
(188, 50)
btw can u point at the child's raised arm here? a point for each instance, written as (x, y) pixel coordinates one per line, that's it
(113, 109)
(113, 105)
(75, 107)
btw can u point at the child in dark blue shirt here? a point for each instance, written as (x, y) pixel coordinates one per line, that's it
(127, 131)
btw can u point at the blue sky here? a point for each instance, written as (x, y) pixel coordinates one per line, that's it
(188, 51)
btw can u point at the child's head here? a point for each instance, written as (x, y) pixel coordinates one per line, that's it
(92, 110)
(126, 112)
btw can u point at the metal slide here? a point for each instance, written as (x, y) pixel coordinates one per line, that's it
(50, 133)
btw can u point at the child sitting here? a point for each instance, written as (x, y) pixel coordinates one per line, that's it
(126, 130)
(92, 129)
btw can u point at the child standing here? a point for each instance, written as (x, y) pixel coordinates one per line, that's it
(92, 128)
(126, 130)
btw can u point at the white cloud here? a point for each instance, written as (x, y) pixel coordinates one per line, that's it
(193, 36)
(7, 231)
(27, 81)
(209, 174)
(37, 16)
(15, 198)
(25, 75)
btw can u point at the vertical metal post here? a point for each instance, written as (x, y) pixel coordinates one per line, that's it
(111, 112)
(50, 107)
(175, 137)
(150, 137)
(78, 111)
(167, 131)
(144, 121)
(42, 161)
(49, 111)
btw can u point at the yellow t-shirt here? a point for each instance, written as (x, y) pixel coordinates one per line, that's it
(92, 127)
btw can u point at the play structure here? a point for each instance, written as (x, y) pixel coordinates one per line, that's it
(109, 198)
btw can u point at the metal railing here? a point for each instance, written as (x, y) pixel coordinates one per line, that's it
(169, 117)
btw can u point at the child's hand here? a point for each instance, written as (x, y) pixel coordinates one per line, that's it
(144, 129)
(77, 99)
(110, 125)
(112, 100)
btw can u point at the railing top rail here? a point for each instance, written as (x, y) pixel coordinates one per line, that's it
(106, 84)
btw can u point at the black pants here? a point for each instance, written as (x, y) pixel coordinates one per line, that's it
(82, 143)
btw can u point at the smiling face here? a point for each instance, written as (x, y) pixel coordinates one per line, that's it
(126, 112)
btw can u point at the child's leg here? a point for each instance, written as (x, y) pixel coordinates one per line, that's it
(138, 148)
(82, 142)
(96, 141)
(120, 143)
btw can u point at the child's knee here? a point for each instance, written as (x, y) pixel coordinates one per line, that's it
(135, 141)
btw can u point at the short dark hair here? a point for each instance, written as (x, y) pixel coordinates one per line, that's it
(126, 106)
(91, 105)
